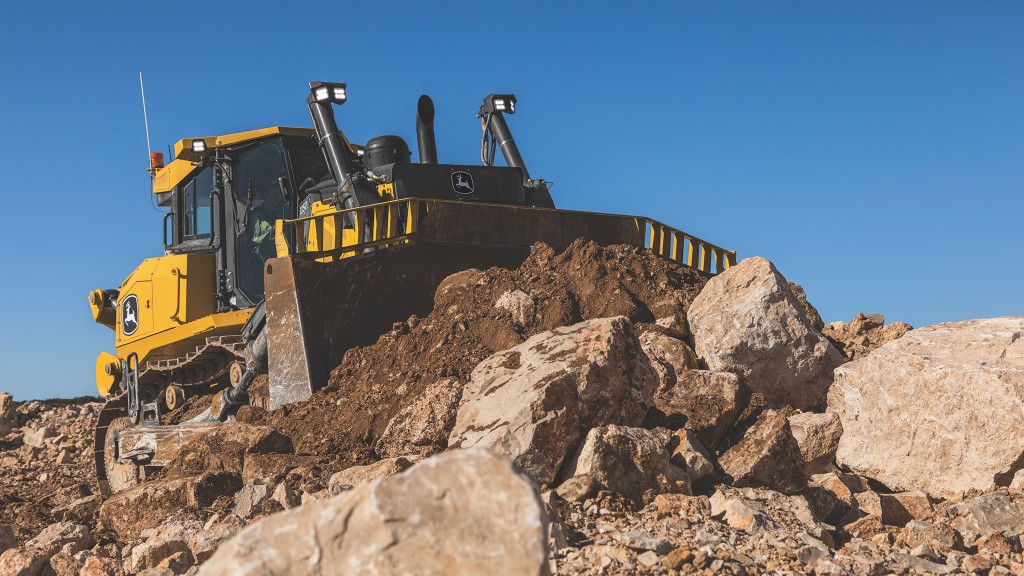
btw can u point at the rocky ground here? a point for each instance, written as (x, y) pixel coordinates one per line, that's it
(599, 411)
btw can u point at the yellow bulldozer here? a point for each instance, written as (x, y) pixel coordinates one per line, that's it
(285, 247)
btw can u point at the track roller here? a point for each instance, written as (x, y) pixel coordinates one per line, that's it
(174, 397)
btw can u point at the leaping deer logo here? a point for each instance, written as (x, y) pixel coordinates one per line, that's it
(462, 183)
(129, 315)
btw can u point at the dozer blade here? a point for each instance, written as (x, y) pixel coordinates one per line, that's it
(316, 310)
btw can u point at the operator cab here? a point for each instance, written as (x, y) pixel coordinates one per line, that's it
(229, 204)
(225, 193)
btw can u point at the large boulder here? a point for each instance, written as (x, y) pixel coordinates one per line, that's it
(669, 356)
(747, 321)
(818, 436)
(460, 512)
(630, 461)
(147, 505)
(938, 410)
(767, 456)
(708, 403)
(533, 403)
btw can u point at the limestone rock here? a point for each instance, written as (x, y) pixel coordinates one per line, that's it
(768, 456)
(842, 486)
(422, 427)
(810, 311)
(747, 321)
(669, 356)
(285, 496)
(988, 513)
(250, 499)
(937, 410)
(534, 402)
(97, 566)
(357, 475)
(204, 543)
(689, 454)
(818, 437)
(519, 304)
(29, 559)
(162, 543)
(23, 561)
(142, 507)
(8, 416)
(757, 509)
(460, 512)
(703, 401)
(739, 513)
(629, 461)
(57, 536)
(37, 438)
(863, 334)
(940, 536)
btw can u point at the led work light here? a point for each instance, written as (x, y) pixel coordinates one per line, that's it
(329, 92)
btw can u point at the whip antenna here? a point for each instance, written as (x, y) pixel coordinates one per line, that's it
(154, 162)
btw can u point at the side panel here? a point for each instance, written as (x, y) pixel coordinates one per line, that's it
(169, 291)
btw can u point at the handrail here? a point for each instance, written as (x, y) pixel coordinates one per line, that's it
(322, 237)
(681, 247)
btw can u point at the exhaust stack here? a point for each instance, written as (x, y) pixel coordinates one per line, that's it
(425, 130)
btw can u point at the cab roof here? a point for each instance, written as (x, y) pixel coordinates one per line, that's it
(173, 173)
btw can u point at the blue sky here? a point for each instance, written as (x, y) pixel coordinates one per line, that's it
(873, 151)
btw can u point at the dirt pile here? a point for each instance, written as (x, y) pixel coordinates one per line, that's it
(478, 313)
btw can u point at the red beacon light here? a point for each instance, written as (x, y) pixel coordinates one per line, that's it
(156, 160)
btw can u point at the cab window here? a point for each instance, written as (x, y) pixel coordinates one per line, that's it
(258, 192)
(194, 212)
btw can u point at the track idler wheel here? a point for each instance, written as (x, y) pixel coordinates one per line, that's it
(175, 397)
(120, 475)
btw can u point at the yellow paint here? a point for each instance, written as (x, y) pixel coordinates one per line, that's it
(183, 147)
(176, 311)
(101, 313)
(185, 159)
(171, 175)
(108, 372)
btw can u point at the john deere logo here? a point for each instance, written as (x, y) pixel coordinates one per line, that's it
(130, 315)
(462, 183)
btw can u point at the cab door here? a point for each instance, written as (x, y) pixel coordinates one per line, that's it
(259, 198)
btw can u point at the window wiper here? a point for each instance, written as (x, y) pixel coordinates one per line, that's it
(248, 203)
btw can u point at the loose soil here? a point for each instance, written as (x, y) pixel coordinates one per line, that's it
(374, 382)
